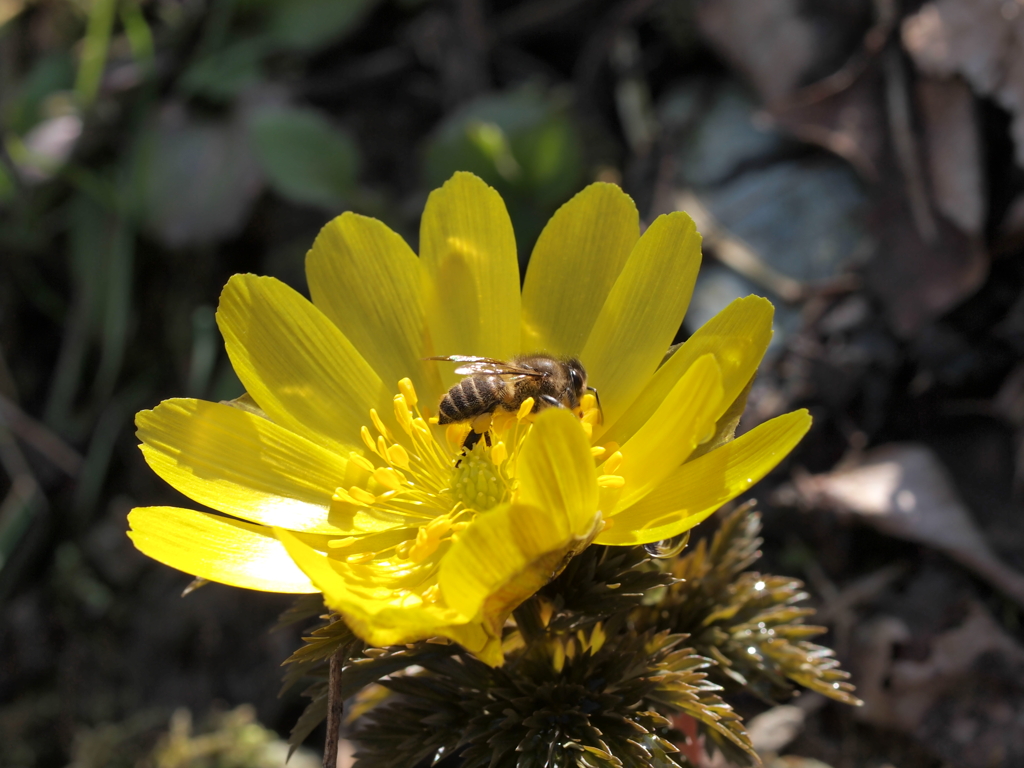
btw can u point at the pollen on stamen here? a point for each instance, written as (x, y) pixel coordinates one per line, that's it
(612, 464)
(398, 456)
(360, 558)
(380, 426)
(391, 479)
(455, 435)
(361, 495)
(403, 413)
(482, 423)
(499, 453)
(405, 386)
(362, 461)
(525, 409)
(611, 481)
(367, 438)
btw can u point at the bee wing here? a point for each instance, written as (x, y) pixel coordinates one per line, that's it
(488, 365)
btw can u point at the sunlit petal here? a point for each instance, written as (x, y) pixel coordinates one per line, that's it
(737, 336)
(296, 364)
(574, 265)
(471, 271)
(699, 487)
(368, 282)
(643, 312)
(685, 418)
(217, 548)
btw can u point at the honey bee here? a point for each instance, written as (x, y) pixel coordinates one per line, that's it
(492, 384)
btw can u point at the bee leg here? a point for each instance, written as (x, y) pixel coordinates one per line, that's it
(471, 440)
(470, 443)
(551, 401)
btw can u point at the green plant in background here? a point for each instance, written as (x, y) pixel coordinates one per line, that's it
(224, 739)
(144, 141)
(524, 143)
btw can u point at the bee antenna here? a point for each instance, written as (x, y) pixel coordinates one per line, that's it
(597, 397)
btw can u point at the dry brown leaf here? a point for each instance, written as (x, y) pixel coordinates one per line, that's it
(903, 490)
(952, 142)
(982, 40)
(952, 699)
(770, 43)
(773, 730)
(849, 122)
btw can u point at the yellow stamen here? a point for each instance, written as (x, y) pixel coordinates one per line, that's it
(428, 539)
(375, 418)
(409, 391)
(611, 481)
(613, 463)
(402, 413)
(364, 433)
(361, 461)
(398, 456)
(502, 420)
(360, 558)
(391, 479)
(431, 595)
(525, 409)
(598, 451)
(343, 496)
(455, 434)
(499, 453)
(361, 495)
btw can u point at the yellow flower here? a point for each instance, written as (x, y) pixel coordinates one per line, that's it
(327, 480)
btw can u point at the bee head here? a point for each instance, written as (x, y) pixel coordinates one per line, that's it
(577, 377)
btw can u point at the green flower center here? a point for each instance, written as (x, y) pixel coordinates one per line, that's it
(476, 482)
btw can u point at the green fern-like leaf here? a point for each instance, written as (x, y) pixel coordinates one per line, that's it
(751, 624)
(573, 699)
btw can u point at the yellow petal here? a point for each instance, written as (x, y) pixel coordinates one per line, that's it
(217, 548)
(374, 609)
(367, 280)
(643, 312)
(296, 364)
(247, 466)
(699, 487)
(556, 471)
(737, 336)
(503, 557)
(471, 271)
(685, 419)
(574, 265)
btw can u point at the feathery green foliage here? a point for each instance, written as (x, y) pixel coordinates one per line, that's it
(748, 622)
(599, 664)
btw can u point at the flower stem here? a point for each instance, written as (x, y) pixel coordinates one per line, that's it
(335, 708)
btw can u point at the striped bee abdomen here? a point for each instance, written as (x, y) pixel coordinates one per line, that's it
(471, 397)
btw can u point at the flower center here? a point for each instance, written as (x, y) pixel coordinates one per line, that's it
(434, 485)
(477, 482)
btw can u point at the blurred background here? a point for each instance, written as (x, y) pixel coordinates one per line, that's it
(859, 162)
